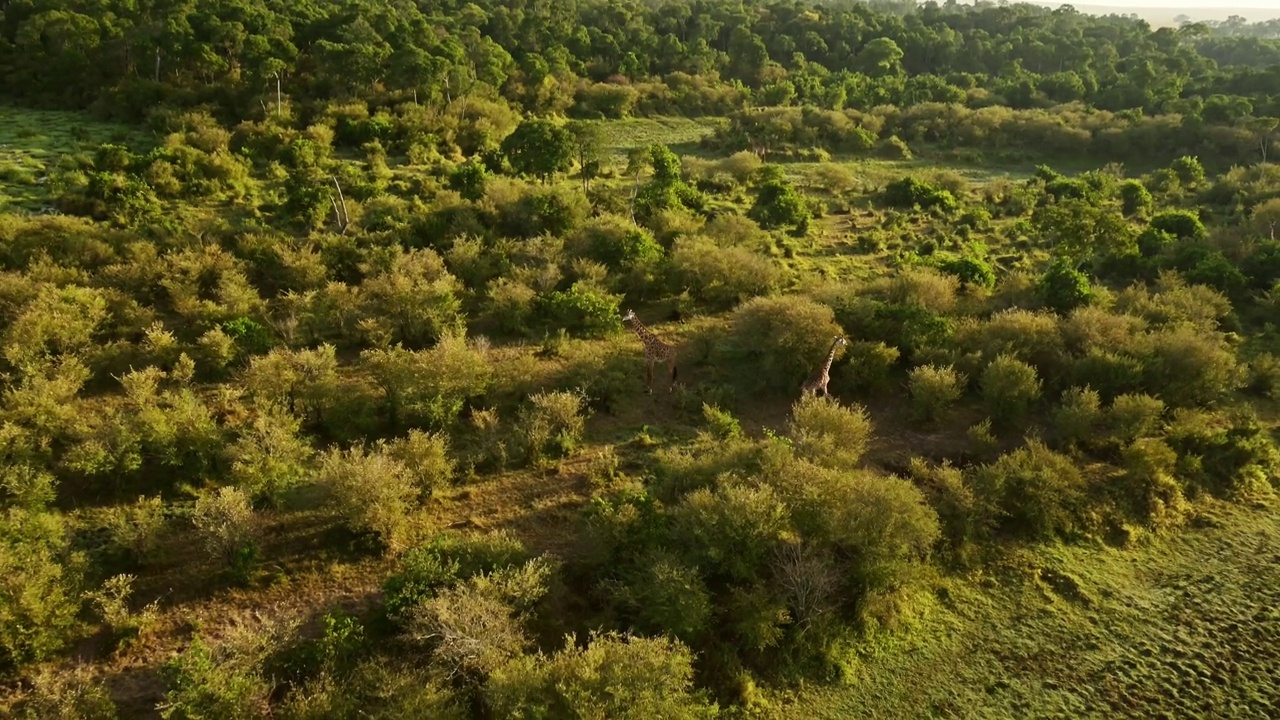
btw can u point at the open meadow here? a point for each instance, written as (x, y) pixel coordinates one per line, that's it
(510, 361)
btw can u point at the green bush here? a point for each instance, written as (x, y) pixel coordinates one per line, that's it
(952, 497)
(868, 365)
(445, 561)
(426, 456)
(628, 678)
(1034, 491)
(618, 243)
(1079, 418)
(581, 309)
(721, 276)
(370, 490)
(934, 389)
(1009, 387)
(1064, 288)
(829, 434)
(40, 579)
(1134, 416)
(1135, 199)
(223, 680)
(781, 339)
(1189, 366)
(67, 695)
(909, 192)
(1181, 224)
(226, 524)
(1151, 490)
(971, 270)
(553, 424)
(270, 459)
(778, 204)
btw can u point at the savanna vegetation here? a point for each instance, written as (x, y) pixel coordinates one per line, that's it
(318, 399)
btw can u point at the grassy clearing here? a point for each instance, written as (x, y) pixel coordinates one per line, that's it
(1183, 627)
(680, 134)
(31, 141)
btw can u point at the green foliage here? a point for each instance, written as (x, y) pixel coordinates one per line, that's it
(1188, 169)
(582, 309)
(469, 180)
(539, 147)
(270, 459)
(934, 389)
(828, 434)
(953, 498)
(1079, 417)
(553, 424)
(971, 270)
(721, 276)
(778, 204)
(370, 490)
(443, 562)
(1181, 224)
(909, 192)
(1009, 387)
(1034, 492)
(619, 244)
(782, 338)
(1065, 288)
(223, 680)
(1135, 199)
(612, 676)
(227, 527)
(67, 696)
(40, 579)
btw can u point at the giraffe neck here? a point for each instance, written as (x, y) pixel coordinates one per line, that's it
(831, 357)
(642, 332)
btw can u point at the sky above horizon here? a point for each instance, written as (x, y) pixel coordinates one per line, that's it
(1180, 4)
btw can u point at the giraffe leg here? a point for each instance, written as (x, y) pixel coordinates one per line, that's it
(648, 377)
(671, 364)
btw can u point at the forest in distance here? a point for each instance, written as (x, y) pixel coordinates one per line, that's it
(636, 359)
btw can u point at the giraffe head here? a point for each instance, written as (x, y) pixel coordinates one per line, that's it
(629, 316)
(841, 341)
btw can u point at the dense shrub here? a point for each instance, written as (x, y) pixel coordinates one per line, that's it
(909, 192)
(582, 309)
(613, 676)
(971, 270)
(1034, 491)
(721, 276)
(1009, 387)
(370, 490)
(782, 338)
(40, 576)
(553, 424)
(444, 561)
(227, 526)
(952, 497)
(934, 389)
(828, 434)
(1079, 418)
(1180, 224)
(868, 366)
(1065, 288)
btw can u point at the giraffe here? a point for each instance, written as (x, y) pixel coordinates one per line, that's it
(655, 350)
(817, 382)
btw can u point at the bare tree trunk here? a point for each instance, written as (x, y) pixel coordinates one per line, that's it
(346, 219)
(278, 100)
(157, 64)
(635, 193)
